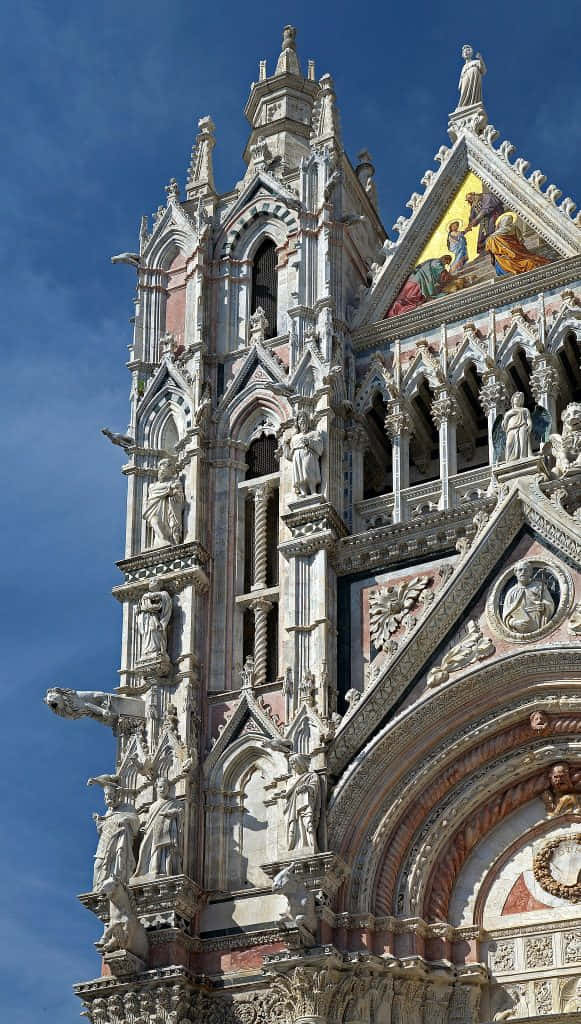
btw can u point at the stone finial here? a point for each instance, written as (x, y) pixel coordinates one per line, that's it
(173, 191)
(288, 62)
(200, 179)
(326, 126)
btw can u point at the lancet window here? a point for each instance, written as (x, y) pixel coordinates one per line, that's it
(259, 599)
(265, 284)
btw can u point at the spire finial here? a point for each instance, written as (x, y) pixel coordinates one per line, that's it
(201, 171)
(288, 62)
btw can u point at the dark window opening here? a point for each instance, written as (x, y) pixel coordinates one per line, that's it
(377, 461)
(261, 457)
(272, 540)
(248, 634)
(272, 634)
(265, 284)
(248, 544)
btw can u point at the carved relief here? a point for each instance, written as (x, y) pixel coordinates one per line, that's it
(529, 600)
(562, 796)
(566, 446)
(572, 947)
(557, 867)
(390, 607)
(473, 647)
(503, 957)
(539, 951)
(543, 996)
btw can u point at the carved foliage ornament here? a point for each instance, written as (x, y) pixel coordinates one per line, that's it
(557, 867)
(390, 607)
(529, 600)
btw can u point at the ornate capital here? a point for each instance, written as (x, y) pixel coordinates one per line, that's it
(544, 378)
(445, 408)
(305, 992)
(493, 394)
(397, 421)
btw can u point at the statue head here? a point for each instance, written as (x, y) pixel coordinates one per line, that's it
(166, 469)
(572, 418)
(467, 51)
(302, 421)
(523, 572)
(539, 721)
(163, 788)
(560, 778)
(518, 400)
(299, 763)
(111, 795)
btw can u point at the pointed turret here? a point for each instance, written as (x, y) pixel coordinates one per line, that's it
(326, 129)
(200, 180)
(280, 110)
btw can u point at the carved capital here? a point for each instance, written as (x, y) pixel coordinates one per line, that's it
(445, 408)
(493, 394)
(397, 421)
(544, 378)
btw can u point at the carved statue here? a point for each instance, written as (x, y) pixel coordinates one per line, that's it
(517, 424)
(566, 446)
(300, 902)
(303, 805)
(160, 851)
(304, 451)
(153, 615)
(562, 796)
(473, 647)
(164, 505)
(117, 829)
(123, 931)
(470, 84)
(103, 707)
(258, 325)
(528, 604)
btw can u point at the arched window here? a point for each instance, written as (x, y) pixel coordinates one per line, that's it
(265, 284)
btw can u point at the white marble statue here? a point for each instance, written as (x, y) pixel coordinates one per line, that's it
(528, 604)
(302, 805)
(300, 912)
(517, 424)
(258, 325)
(117, 830)
(160, 851)
(164, 506)
(566, 446)
(123, 930)
(304, 451)
(153, 615)
(470, 84)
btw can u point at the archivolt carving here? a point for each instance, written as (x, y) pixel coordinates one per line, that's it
(466, 838)
(416, 793)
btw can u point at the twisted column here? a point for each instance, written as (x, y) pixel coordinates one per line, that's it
(261, 608)
(260, 537)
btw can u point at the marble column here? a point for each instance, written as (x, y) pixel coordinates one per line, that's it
(399, 427)
(260, 536)
(261, 608)
(446, 417)
(494, 400)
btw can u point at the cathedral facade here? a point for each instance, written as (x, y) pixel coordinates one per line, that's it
(348, 719)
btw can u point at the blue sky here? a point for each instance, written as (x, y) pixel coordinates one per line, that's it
(100, 101)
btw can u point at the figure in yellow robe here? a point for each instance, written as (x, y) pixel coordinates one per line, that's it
(509, 253)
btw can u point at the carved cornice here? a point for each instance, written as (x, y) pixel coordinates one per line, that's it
(463, 305)
(178, 565)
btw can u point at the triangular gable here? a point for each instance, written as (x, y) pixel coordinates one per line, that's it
(260, 360)
(250, 717)
(167, 370)
(472, 163)
(263, 194)
(522, 503)
(308, 375)
(173, 220)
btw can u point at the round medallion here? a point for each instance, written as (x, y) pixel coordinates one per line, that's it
(557, 867)
(529, 600)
